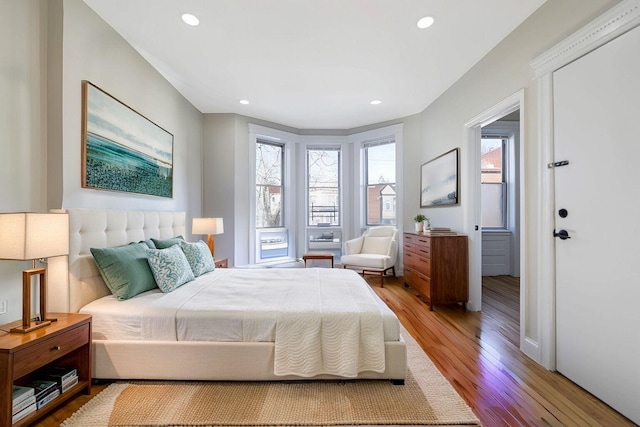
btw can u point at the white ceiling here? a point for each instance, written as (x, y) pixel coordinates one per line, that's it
(313, 64)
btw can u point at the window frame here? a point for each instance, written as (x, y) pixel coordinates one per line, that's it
(357, 221)
(366, 145)
(503, 180)
(308, 214)
(283, 193)
(288, 140)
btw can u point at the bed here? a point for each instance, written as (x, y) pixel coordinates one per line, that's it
(207, 330)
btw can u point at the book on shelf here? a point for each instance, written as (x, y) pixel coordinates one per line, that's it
(21, 393)
(21, 405)
(55, 392)
(23, 413)
(59, 374)
(69, 383)
(42, 387)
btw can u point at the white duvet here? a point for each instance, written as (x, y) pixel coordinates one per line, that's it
(322, 321)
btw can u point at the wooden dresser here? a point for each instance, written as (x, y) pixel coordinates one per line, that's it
(437, 266)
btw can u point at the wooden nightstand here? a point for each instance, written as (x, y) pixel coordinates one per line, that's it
(66, 343)
(222, 263)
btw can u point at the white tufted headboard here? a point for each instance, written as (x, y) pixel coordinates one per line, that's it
(100, 228)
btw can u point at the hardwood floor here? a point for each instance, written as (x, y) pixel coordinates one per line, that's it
(478, 353)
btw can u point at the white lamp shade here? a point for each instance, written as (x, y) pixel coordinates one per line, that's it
(207, 226)
(26, 236)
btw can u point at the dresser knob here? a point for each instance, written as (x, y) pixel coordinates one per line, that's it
(55, 347)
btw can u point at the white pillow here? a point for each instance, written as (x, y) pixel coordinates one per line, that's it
(376, 245)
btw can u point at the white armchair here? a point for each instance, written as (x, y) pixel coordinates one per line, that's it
(375, 251)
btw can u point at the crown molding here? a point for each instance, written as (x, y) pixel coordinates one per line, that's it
(618, 20)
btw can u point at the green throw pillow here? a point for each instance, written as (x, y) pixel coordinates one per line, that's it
(149, 243)
(125, 269)
(169, 267)
(165, 243)
(199, 257)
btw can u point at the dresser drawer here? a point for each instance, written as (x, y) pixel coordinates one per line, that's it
(411, 260)
(48, 350)
(406, 247)
(418, 281)
(423, 244)
(418, 262)
(409, 239)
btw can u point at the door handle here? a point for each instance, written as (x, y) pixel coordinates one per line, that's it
(562, 234)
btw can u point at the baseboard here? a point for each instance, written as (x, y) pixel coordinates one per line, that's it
(532, 349)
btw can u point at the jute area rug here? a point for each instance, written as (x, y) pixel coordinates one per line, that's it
(427, 398)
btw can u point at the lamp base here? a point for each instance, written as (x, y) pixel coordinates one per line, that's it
(28, 324)
(32, 327)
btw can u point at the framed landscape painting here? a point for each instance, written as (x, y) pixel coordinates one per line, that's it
(121, 149)
(439, 181)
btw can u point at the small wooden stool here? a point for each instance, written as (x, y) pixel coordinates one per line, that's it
(306, 257)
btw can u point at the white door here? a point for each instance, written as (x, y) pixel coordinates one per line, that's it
(597, 129)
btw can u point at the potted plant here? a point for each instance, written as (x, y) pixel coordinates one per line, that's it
(419, 222)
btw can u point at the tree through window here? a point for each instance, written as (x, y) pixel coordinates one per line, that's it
(269, 189)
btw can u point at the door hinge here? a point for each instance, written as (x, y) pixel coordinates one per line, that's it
(558, 164)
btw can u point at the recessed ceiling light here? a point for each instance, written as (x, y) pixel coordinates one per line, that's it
(244, 102)
(190, 19)
(425, 22)
(376, 102)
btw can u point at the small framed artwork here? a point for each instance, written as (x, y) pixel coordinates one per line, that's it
(121, 149)
(439, 181)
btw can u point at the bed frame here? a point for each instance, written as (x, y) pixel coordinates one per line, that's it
(163, 360)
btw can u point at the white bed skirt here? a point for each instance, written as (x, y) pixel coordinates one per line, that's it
(212, 361)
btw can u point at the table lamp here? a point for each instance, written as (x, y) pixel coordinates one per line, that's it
(209, 226)
(33, 236)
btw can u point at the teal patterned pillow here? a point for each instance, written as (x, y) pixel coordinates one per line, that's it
(170, 267)
(199, 257)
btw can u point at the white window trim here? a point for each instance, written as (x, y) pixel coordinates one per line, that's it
(332, 147)
(359, 139)
(351, 195)
(288, 140)
(319, 141)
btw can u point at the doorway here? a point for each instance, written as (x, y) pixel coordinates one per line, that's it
(500, 193)
(500, 219)
(512, 107)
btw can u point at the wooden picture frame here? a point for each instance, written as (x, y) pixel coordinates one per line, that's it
(121, 149)
(439, 183)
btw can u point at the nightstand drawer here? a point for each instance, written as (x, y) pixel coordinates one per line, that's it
(49, 349)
